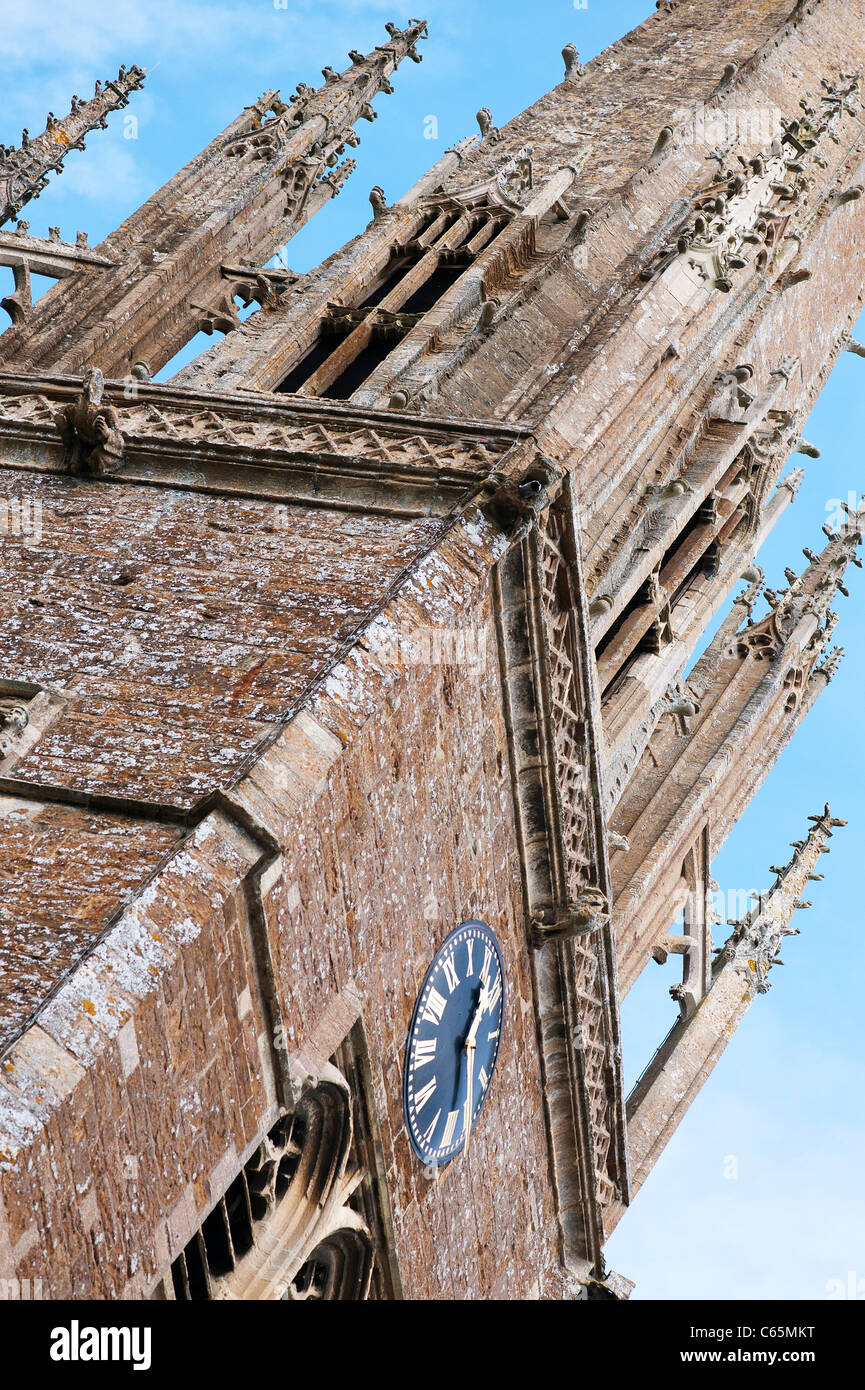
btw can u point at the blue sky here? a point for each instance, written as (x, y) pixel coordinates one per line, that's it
(786, 1100)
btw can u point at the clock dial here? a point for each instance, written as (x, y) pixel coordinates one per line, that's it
(453, 1042)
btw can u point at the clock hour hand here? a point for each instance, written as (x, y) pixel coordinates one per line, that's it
(483, 1000)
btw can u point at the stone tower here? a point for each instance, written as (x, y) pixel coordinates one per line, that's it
(380, 617)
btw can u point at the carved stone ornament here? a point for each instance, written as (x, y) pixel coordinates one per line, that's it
(90, 429)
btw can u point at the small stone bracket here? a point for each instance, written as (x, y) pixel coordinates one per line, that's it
(516, 503)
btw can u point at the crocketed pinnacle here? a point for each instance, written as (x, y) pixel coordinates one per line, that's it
(754, 945)
(24, 171)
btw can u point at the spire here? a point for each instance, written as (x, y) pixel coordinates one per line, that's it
(327, 114)
(749, 691)
(828, 667)
(753, 947)
(24, 171)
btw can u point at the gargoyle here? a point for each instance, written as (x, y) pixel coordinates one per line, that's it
(580, 916)
(90, 429)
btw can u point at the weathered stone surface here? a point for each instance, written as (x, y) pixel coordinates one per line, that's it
(376, 621)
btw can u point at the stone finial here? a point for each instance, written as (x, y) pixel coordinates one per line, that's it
(829, 665)
(755, 944)
(785, 367)
(662, 144)
(573, 67)
(801, 446)
(378, 202)
(683, 708)
(793, 277)
(489, 309)
(793, 480)
(846, 195)
(736, 379)
(727, 77)
(809, 593)
(489, 132)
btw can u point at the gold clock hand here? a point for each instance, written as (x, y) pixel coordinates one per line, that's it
(469, 1047)
(483, 1000)
(470, 1062)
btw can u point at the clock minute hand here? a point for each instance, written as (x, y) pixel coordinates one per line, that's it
(470, 1066)
(469, 1049)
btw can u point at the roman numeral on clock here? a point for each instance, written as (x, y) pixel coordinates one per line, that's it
(424, 1052)
(485, 968)
(424, 1094)
(450, 1127)
(494, 995)
(430, 1131)
(435, 1007)
(483, 1079)
(450, 970)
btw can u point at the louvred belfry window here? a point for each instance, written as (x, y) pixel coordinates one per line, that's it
(352, 341)
(648, 623)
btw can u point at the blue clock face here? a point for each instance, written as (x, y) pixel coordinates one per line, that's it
(453, 1042)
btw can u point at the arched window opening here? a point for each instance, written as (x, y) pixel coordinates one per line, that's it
(284, 1202)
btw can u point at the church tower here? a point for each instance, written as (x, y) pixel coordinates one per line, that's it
(361, 741)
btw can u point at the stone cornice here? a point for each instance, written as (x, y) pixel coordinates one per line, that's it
(310, 452)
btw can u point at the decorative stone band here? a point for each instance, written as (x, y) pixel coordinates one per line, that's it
(324, 454)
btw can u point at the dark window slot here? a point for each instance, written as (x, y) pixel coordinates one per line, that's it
(431, 291)
(392, 277)
(357, 371)
(303, 370)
